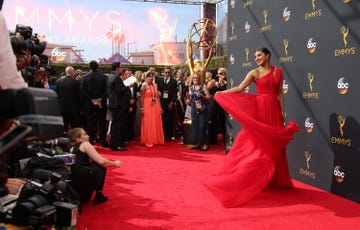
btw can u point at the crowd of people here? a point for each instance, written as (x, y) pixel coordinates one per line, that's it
(163, 102)
(120, 109)
(149, 107)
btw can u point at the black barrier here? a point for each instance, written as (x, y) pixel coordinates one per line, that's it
(316, 43)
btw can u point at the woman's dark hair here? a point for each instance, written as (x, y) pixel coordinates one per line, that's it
(264, 50)
(149, 74)
(52, 80)
(213, 74)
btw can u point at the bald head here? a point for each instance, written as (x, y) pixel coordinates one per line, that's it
(69, 71)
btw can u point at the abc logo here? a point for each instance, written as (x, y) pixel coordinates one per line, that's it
(232, 59)
(309, 125)
(286, 14)
(311, 46)
(342, 86)
(58, 54)
(247, 27)
(285, 87)
(339, 176)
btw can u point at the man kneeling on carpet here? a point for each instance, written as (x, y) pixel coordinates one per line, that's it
(89, 170)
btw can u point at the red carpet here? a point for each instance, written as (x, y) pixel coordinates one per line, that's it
(160, 188)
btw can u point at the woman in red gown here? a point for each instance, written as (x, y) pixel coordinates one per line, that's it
(257, 159)
(151, 124)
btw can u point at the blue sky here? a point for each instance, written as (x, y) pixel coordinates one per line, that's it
(84, 23)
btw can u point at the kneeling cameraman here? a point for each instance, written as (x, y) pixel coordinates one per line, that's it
(89, 170)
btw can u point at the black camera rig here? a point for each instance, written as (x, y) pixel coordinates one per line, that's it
(40, 205)
(52, 202)
(23, 40)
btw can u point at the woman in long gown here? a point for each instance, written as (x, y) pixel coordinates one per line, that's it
(257, 159)
(199, 96)
(151, 124)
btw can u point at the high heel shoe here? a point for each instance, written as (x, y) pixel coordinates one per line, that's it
(100, 198)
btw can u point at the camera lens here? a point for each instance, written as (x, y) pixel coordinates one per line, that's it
(23, 210)
(18, 44)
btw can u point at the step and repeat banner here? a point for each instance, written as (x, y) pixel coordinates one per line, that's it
(317, 44)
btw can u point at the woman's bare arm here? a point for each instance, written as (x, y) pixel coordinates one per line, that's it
(89, 149)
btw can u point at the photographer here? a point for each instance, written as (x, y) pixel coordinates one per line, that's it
(33, 68)
(37, 76)
(89, 169)
(10, 78)
(28, 49)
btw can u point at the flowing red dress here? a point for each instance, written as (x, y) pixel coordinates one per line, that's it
(151, 124)
(257, 159)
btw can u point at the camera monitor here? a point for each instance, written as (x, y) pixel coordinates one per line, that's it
(35, 107)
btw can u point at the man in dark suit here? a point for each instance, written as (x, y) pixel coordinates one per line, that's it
(133, 89)
(168, 89)
(93, 89)
(69, 96)
(119, 103)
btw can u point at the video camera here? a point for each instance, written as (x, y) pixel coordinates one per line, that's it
(49, 145)
(45, 204)
(23, 40)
